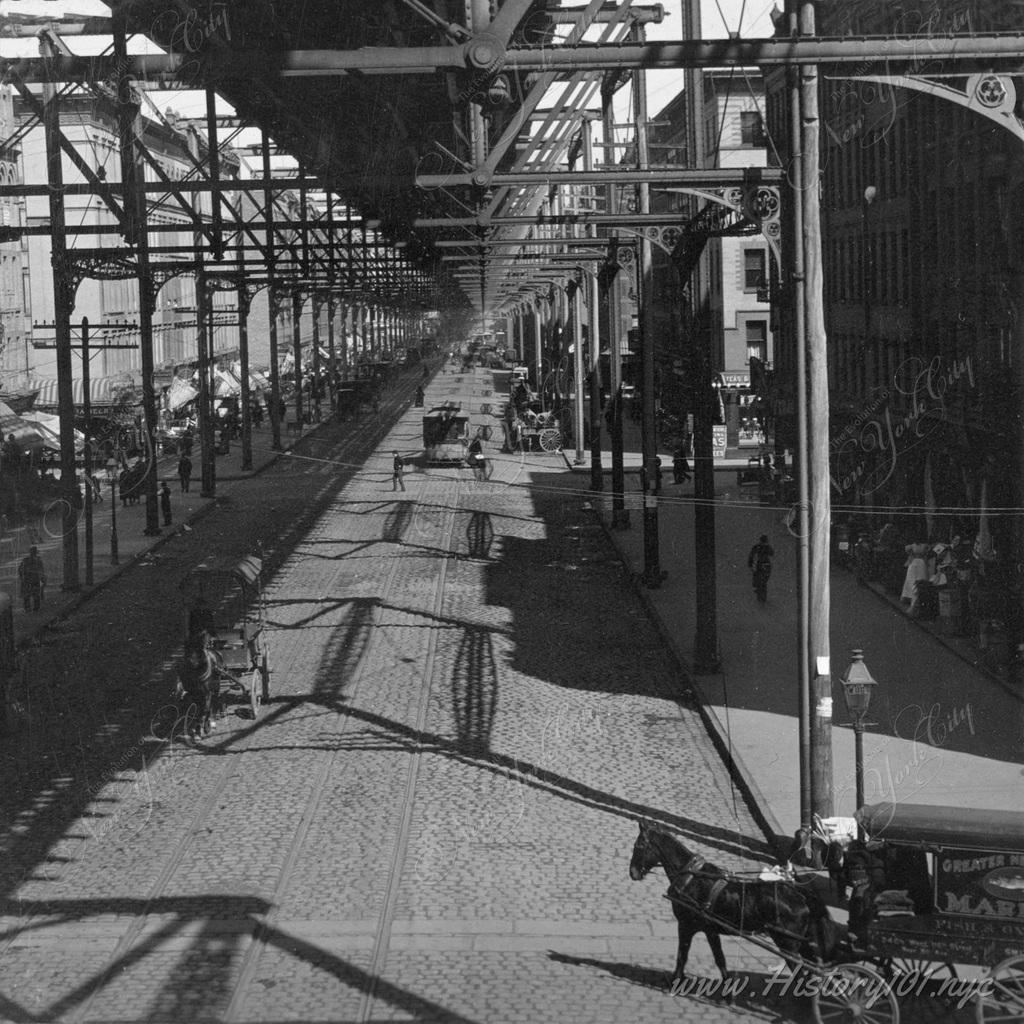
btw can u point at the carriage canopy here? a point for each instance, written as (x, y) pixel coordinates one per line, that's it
(229, 587)
(922, 824)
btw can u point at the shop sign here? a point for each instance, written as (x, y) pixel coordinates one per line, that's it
(718, 441)
(980, 883)
(736, 380)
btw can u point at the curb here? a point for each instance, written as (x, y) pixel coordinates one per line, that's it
(32, 634)
(776, 838)
(880, 592)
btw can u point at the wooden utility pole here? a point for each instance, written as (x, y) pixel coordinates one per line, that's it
(819, 497)
(706, 656)
(802, 524)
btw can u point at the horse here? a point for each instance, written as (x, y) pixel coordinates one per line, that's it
(702, 894)
(199, 676)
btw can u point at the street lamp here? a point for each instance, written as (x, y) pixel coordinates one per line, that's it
(867, 267)
(857, 686)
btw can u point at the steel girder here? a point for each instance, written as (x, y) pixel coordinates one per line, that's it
(160, 70)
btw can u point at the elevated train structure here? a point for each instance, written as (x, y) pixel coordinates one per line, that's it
(446, 161)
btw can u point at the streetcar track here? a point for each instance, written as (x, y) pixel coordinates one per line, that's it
(382, 939)
(257, 945)
(207, 804)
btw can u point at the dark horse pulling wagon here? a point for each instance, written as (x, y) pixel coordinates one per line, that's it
(225, 637)
(933, 890)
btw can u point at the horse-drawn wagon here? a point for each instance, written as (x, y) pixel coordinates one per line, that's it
(445, 434)
(935, 890)
(226, 633)
(936, 912)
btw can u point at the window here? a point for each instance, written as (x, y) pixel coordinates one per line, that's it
(755, 269)
(751, 128)
(757, 340)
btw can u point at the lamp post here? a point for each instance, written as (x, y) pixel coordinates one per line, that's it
(868, 269)
(857, 686)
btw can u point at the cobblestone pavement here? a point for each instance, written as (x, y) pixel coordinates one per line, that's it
(432, 817)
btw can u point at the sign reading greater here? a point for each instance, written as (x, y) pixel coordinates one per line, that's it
(980, 883)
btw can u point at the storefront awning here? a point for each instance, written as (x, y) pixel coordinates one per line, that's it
(26, 435)
(103, 391)
(226, 384)
(48, 426)
(181, 393)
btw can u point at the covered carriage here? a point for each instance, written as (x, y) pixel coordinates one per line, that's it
(937, 890)
(225, 601)
(445, 434)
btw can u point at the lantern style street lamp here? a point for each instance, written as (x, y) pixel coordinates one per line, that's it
(857, 687)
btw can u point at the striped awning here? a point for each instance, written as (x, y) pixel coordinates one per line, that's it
(27, 436)
(181, 393)
(102, 391)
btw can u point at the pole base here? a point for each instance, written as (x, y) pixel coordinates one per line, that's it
(707, 661)
(653, 578)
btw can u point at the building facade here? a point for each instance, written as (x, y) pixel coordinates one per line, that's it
(724, 303)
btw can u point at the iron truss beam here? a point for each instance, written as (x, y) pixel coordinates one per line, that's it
(707, 178)
(623, 220)
(162, 69)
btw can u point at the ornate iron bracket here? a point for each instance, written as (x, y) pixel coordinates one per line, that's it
(991, 95)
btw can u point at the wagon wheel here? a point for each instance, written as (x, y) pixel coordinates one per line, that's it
(853, 992)
(550, 439)
(255, 692)
(924, 981)
(1001, 993)
(265, 676)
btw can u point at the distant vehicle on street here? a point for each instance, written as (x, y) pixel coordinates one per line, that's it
(445, 433)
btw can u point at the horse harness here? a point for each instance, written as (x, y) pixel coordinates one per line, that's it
(691, 870)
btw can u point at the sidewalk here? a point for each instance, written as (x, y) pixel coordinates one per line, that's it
(133, 544)
(942, 731)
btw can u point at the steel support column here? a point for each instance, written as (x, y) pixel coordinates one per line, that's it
(204, 341)
(297, 352)
(645, 291)
(63, 302)
(243, 300)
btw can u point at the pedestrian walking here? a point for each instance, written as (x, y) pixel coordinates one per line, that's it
(165, 502)
(760, 561)
(32, 577)
(476, 458)
(680, 466)
(419, 395)
(397, 469)
(185, 472)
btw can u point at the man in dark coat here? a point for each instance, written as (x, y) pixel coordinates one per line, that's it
(165, 502)
(185, 472)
